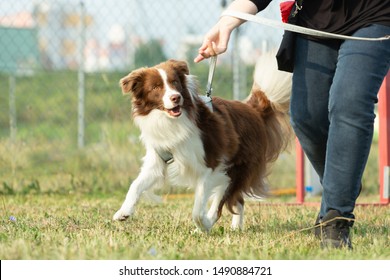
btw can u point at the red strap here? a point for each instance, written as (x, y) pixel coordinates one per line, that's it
(285, 9)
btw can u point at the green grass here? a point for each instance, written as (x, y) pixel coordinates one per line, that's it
(78, 226)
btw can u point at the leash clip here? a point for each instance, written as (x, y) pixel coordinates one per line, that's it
(213, 63)
(298, 7)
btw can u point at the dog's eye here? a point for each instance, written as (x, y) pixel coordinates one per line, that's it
(175, 82)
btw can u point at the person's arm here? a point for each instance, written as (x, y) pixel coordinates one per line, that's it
(216, 40)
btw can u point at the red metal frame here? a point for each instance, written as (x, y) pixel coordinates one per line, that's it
(384, 139)
(384, 149)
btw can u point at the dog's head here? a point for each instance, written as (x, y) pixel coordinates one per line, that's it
(162, 87)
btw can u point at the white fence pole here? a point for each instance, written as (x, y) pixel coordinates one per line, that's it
(12, 107)
(81, 79)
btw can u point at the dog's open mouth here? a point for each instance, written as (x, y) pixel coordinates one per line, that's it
(174, 112)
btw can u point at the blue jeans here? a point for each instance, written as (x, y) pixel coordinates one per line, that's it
(334, 93)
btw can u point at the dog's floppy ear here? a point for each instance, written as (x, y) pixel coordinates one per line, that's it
(179, 65)
(133, 81)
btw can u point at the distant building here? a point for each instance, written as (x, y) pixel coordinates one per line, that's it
(19, 51)
(59, 32)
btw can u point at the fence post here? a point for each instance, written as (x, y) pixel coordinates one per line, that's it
(81, 79)
(12, 107)
(384, 140)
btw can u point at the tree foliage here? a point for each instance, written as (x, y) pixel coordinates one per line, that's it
(149, 53)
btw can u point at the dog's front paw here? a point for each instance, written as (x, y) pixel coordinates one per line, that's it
(203, 223)
(121, 215)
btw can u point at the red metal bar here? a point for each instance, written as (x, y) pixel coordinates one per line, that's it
(300, 172)
(384, 139)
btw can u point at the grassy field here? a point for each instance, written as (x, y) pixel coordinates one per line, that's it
(78, 226)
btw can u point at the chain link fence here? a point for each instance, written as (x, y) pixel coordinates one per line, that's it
(64, 124)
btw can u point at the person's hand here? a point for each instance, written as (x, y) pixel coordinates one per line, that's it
(215, 41)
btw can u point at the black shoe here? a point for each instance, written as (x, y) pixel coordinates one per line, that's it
(334, 230)
(317, 224)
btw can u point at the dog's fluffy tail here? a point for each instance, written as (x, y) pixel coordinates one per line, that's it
(270, 95)
(274, 83)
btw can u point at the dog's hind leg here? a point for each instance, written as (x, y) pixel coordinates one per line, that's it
(238, 217)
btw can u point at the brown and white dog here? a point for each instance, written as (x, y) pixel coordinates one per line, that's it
(224, 153)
